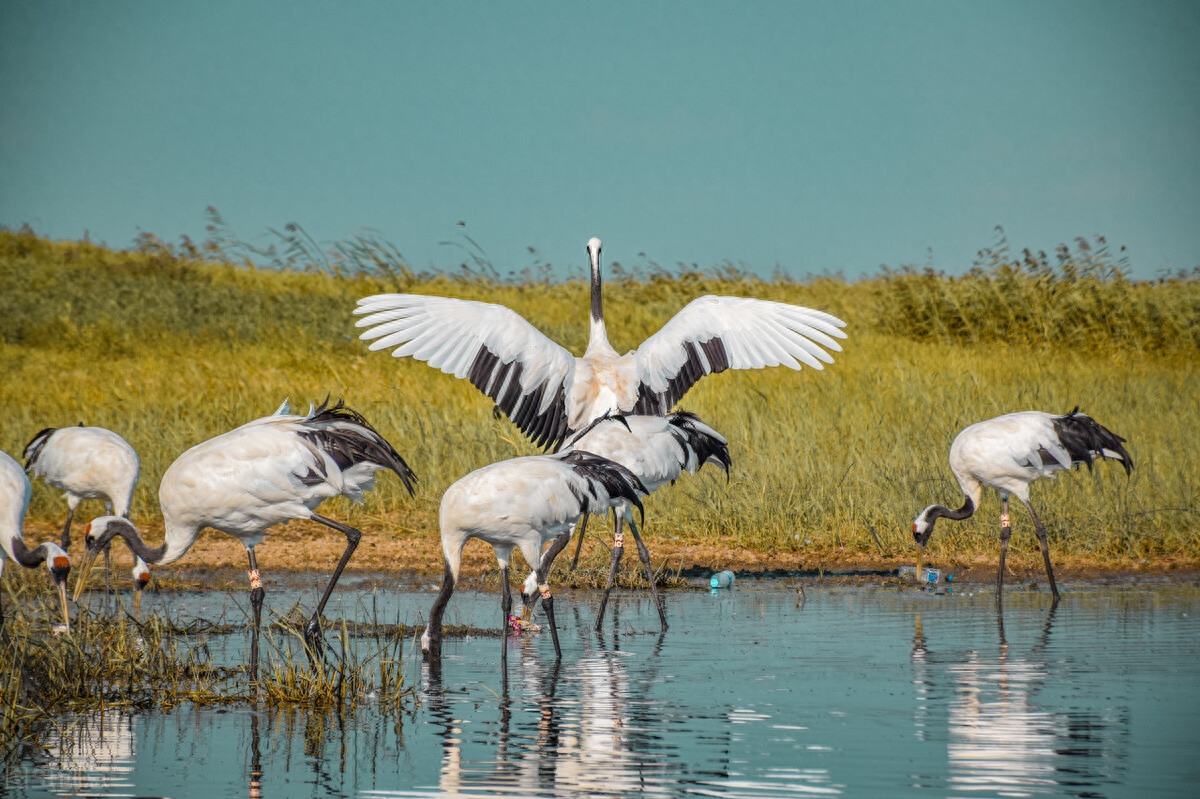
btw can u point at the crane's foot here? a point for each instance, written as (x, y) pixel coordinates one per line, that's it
(313, 641)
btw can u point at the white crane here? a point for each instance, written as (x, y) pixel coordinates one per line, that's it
(549, 393)
(15, 490)
(657, 450)
(1010, 452)
(270, 470)
(89, 463)
(522, 503)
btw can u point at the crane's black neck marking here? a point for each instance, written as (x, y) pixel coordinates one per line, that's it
(437, 612)
(938, 511)
(29, 558)
(125, 529)
(597, 303)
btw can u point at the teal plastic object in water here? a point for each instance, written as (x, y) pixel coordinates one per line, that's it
(722, 579)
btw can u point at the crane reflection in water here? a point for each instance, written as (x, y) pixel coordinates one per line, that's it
(999, 736)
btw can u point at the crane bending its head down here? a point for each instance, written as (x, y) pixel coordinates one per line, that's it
(271, 470)
(522, 503)
(15, 491)
(1008, 453)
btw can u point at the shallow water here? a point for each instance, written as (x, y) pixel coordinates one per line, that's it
(862, 691)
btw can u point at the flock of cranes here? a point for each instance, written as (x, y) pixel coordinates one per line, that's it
(605, 419)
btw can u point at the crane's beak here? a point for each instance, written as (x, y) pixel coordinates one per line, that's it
(62, 598)
(85, 568)
(920, 561)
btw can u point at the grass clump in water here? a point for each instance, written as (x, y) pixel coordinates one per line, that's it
(116, 662)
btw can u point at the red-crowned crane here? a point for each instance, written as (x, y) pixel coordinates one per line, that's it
(1010, 452)
(89, 463)
(657, 450)
(270, 470)
(15, 490)
(549, 393)
(523, 503)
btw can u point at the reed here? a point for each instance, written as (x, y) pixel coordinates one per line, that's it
(170, 350)
(118, 662)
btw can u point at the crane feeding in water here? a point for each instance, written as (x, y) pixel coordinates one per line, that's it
(15, 490)
(1008, 453)
(89, 463)
(523, 503)
(270, 470)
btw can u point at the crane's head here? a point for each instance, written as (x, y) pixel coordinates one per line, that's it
(530, 591)
(97, 534)
(923, 526)
(593, 247)
(59, 565)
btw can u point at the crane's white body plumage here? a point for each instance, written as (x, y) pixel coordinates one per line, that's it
(519, 503)
(549, 393)
(267, 471)
(87, 463)
(15, 492)
(658, 450)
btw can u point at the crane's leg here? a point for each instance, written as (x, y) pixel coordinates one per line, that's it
(543, 573)
(583, 521)
(72, 504)
(312, 633)
(1041, 534)
(256, 601)
(1005, 534)
(617, 551)
(644, 555)
(506, 611)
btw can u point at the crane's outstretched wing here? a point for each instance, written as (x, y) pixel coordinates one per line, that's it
(503, 355)
(712, 334)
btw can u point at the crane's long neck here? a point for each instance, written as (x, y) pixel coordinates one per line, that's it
(966, 511)
(157, 556)
(598, 333)
(29, 558)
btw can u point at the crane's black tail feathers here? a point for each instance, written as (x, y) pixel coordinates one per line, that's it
(1085, 439)
(350, 439)
(709, 445)
(34, 448)
(618, 482)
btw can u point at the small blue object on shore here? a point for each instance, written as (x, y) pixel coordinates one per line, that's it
(722, 579)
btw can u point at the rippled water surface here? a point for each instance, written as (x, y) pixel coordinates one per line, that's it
(864, 691)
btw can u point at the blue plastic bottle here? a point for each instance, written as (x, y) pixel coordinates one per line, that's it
(722, 579)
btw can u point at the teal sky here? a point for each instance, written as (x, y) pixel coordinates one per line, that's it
(816, 136)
